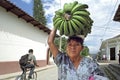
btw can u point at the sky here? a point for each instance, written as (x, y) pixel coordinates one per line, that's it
(101, 11)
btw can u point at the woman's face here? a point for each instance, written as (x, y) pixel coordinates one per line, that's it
(73, 48)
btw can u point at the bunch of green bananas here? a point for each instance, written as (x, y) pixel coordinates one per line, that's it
(73, 19)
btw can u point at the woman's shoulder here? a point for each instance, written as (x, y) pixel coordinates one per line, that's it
(89, 60)
(61, 55)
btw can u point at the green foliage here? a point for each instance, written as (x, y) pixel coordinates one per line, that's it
(63, 43)
(99, 55)
(38, 12)
(85, 51)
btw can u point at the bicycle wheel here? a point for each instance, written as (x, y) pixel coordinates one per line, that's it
(34, 76)
(19, 78)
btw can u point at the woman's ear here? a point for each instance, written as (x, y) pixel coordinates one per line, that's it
(83, 47)
(66, 49)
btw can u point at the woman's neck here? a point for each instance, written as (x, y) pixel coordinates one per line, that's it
(76, 61)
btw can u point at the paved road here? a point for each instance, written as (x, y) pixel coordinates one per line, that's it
(42, 74)
(48, 74)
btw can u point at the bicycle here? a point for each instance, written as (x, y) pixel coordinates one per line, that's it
(25, 77)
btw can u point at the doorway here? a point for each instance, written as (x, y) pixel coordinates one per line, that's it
(112, 53)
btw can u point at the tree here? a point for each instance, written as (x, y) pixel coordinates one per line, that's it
(57, 43)
(63, 46)
(99, 56)
(38, 12)
(85, 51)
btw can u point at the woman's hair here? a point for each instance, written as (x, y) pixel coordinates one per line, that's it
(75, 38)
(30, 50)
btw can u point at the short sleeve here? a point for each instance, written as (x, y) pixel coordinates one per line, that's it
(58, 60)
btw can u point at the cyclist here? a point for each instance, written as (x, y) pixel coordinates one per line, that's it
(30, 65)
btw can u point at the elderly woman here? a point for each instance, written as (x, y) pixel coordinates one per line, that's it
(72, 66)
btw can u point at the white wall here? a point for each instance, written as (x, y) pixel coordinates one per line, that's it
(115, 44)
(17, 36)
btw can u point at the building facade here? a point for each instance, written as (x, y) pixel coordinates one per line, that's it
(20, 32)
(110, 48)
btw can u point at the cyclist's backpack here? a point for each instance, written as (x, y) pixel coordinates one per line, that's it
(23, 60)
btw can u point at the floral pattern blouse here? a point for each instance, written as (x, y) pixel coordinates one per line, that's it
(87, 69)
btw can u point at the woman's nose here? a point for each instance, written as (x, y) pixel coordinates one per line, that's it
(73, 46)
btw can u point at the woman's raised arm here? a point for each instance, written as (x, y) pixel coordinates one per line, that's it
(52, 46)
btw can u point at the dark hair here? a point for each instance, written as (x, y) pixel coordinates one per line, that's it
(30, 50)
(75, 38)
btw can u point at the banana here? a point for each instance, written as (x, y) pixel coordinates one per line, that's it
(71, 29)
(85, 32)
(82, 13)
(56, 20)
(75, 27)
(70, 7)
(57, 24)
(59, 12)
(78, 23)
(82, 32)
(82, 19)
(75, 8)
(83, 6)
(89, 20)
(67, 7)
(61, 29)
(78, 7)
(66, 29)
(74, 4)
(73, 19)
(55, 17)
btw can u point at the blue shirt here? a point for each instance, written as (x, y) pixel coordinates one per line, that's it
(67, 71)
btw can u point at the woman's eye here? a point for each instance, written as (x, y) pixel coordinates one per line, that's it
(77, 44)
(69, 44)
(73, 44)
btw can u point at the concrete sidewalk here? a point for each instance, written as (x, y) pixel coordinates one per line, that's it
(12, 75)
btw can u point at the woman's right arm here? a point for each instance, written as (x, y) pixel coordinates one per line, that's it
(51, 43)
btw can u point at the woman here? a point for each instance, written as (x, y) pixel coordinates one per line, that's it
(72, 66)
